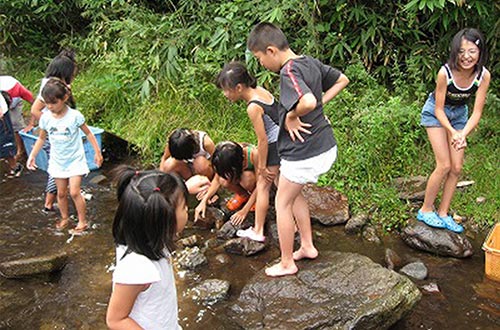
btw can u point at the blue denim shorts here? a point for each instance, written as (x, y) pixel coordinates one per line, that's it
(457, 114)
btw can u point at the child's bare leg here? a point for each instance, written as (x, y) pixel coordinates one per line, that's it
(177, 166)
(62, 201)
(285, 198)
(203, 166)
(262, 205)
(303, 218)
(20, 146)
(50, 198)
(76, 195)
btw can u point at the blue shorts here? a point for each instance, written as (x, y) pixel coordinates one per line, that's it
(456, 114)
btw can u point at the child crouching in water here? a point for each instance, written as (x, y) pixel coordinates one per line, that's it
(152, 210)
(67, 163)
(262, 109)
(234, 170)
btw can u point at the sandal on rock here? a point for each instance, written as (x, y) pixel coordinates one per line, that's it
(431, 219)
(251, 234)
(63, 223)
(236, 202)
(451, 224)
(78, 231)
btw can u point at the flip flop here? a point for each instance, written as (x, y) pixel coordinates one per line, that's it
(431, 219)
(251, 234)
(63, 223)
(78, 231)
(451, 224)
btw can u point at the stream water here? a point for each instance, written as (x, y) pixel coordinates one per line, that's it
(77, 297)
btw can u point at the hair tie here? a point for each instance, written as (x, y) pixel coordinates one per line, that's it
(156, 189)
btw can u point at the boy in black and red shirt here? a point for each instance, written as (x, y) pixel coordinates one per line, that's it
(306, 144)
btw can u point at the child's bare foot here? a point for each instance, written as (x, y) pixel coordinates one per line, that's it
(303, 253)
(63, 223)
(79, 229)
(278, 270)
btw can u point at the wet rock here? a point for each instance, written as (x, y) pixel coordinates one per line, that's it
(480, 200)
(392, 259)
(327, 206)
(223, 259)
(370, 234)
(211, 243)
(98, 179)
(355, 224)
(439, 241)
(211, 291)
(411, 188)
(213, 215)
(191, 258)
(416, 270)
(35, 265)
(228, 231)
(431, 288)
(335, 291)
(190, 241)
(243, 246)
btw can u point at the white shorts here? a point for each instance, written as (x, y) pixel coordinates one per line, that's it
(308, 170)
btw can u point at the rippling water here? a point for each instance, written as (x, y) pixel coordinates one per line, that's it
(76, 298)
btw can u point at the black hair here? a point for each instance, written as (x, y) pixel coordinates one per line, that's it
(63, 66)
(235, 73)
(55, 89)
(227, 160)
(182, 144)
(145, 220)
(471, 35)
(266, 34)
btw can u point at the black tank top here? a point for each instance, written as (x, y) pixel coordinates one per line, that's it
(460, 96)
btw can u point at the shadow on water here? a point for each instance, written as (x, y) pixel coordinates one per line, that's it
(76, 297)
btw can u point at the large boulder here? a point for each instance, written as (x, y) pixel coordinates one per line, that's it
(35, 265)
(327, 205)
(439, 241)
(335, 291)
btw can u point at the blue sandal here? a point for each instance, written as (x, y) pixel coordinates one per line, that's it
(451, 224)
(431, 219)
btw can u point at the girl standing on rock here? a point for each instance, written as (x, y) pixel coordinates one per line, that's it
(445, 117)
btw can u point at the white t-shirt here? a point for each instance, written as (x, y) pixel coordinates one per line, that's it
(156, 307)
(67, 155)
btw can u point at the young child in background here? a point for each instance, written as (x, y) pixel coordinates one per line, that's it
(234, 170)
(445, 117)
(7, 140)
(18, 93)
(306, 144)
(188, 153)
(67, 164)
(262, 109)
(152, 210)
(63, 66)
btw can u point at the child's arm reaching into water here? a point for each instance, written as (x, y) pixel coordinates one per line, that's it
(199, 211)
(120, 305)
(93, 141)
(238, 217)
(30, 163)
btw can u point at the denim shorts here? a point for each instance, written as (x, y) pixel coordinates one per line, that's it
(308, 170)
(456, 114)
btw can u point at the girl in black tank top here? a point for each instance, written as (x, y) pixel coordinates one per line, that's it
(463, 76)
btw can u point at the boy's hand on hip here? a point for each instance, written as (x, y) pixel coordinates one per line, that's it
(295, 126)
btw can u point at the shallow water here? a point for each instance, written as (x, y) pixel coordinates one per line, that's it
(76, 298)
